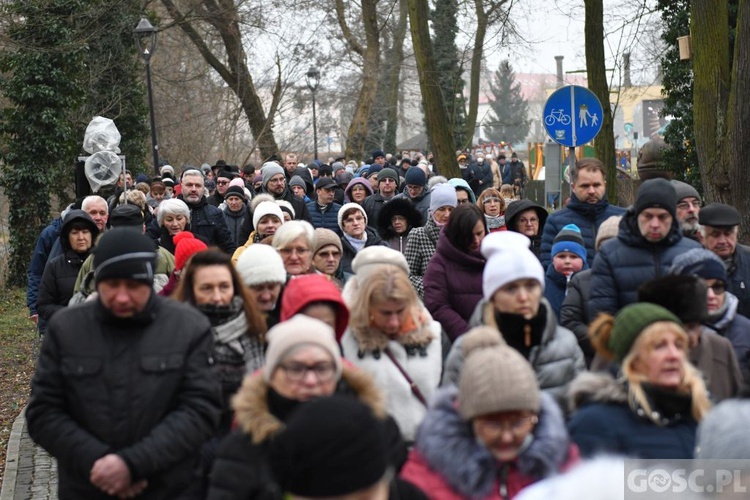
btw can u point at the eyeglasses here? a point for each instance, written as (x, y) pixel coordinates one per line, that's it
(296, 372)
(516, 427)
(684, 205)
(289, 251)
(524, 221)
(491, 199)
(222, 183)
(718, 288)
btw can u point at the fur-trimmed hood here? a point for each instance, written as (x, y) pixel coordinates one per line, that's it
(448, 444)
(254, 416)
(372, 340)
(589, 388)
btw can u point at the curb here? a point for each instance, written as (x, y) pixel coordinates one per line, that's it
(11, 457)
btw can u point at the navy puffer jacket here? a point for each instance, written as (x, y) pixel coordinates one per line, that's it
(624, 263)
(587, 216)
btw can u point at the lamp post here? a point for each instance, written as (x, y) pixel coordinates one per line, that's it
(145, 36)
(313, 79)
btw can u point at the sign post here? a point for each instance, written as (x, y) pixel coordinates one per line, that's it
(572, 117)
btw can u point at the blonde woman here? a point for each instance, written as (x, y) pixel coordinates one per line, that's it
(391, 335)
(654, 410)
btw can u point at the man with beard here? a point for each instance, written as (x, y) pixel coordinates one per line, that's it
(688, 207)
(206, 220)
(588, 208)
(274, 183)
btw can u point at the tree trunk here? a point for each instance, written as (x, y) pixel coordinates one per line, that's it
(223, 16)
(394, 79)
(476, 73)
(721, 98)
(712, 63)
(357, 134)
(597, 77)
(438, 130)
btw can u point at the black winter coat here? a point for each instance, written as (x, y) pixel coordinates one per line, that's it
(739, 278)
(240, 224)
(208, 221)
(347, 256)
(60, 273)
(141, 387)
(574, 313)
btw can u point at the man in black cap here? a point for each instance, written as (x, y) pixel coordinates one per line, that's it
(324, 211)
(387, 183)
(720, 226)
(648, 241)
(124, 394)
(223, 177)
(378, 158)
(688, 208)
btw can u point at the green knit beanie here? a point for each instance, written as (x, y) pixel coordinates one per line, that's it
(631, 321)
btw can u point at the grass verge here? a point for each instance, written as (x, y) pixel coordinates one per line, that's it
(17, 362)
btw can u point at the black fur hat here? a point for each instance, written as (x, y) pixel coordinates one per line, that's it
(684, 296)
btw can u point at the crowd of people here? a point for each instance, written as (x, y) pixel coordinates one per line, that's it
(379, 331)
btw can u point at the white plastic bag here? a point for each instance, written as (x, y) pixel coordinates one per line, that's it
(101, 135)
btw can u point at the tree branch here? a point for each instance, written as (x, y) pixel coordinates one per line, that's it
(348, 36)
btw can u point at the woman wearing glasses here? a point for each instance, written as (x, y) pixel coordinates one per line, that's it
(493, 434)
(294, 242)
(722, 305)
(527, 218)
(303, 362)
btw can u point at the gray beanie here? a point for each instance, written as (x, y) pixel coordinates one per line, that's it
(495, 377)
(295, 181)
(270, 169)
(684, 190)
(442, 195)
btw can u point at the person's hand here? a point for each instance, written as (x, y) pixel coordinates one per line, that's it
(34, 318)
(133, 490)
(110, 474)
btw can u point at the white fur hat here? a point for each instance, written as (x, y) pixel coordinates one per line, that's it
(259, 264)
(509, 258)
(266, 208)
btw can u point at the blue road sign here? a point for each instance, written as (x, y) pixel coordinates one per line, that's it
(572, 116)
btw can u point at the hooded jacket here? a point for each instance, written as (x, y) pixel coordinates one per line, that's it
(605, 422)
(404, 208)
(419, 352)
(511, 219)
(624, 263)
(461, 183)
(243, 467)
(587, 216)
(60, 274)
(296, 298)
(449, 463)
(453, 286)
(557, 360)
(357, 180)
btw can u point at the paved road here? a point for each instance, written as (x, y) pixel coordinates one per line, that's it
(30, 473)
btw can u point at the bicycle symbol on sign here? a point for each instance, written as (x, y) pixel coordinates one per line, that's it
(557, 115)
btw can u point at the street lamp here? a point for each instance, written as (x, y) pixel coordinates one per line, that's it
(145, 36)
(313, 79)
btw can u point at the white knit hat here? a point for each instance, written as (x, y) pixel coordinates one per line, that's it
(346, 208)
(260, 264)
(266, 208)
(508, 259)
(378, 255)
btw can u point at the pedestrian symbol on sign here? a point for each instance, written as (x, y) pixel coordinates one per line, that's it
(572, 116)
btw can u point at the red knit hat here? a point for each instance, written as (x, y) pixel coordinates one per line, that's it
(185, 245)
